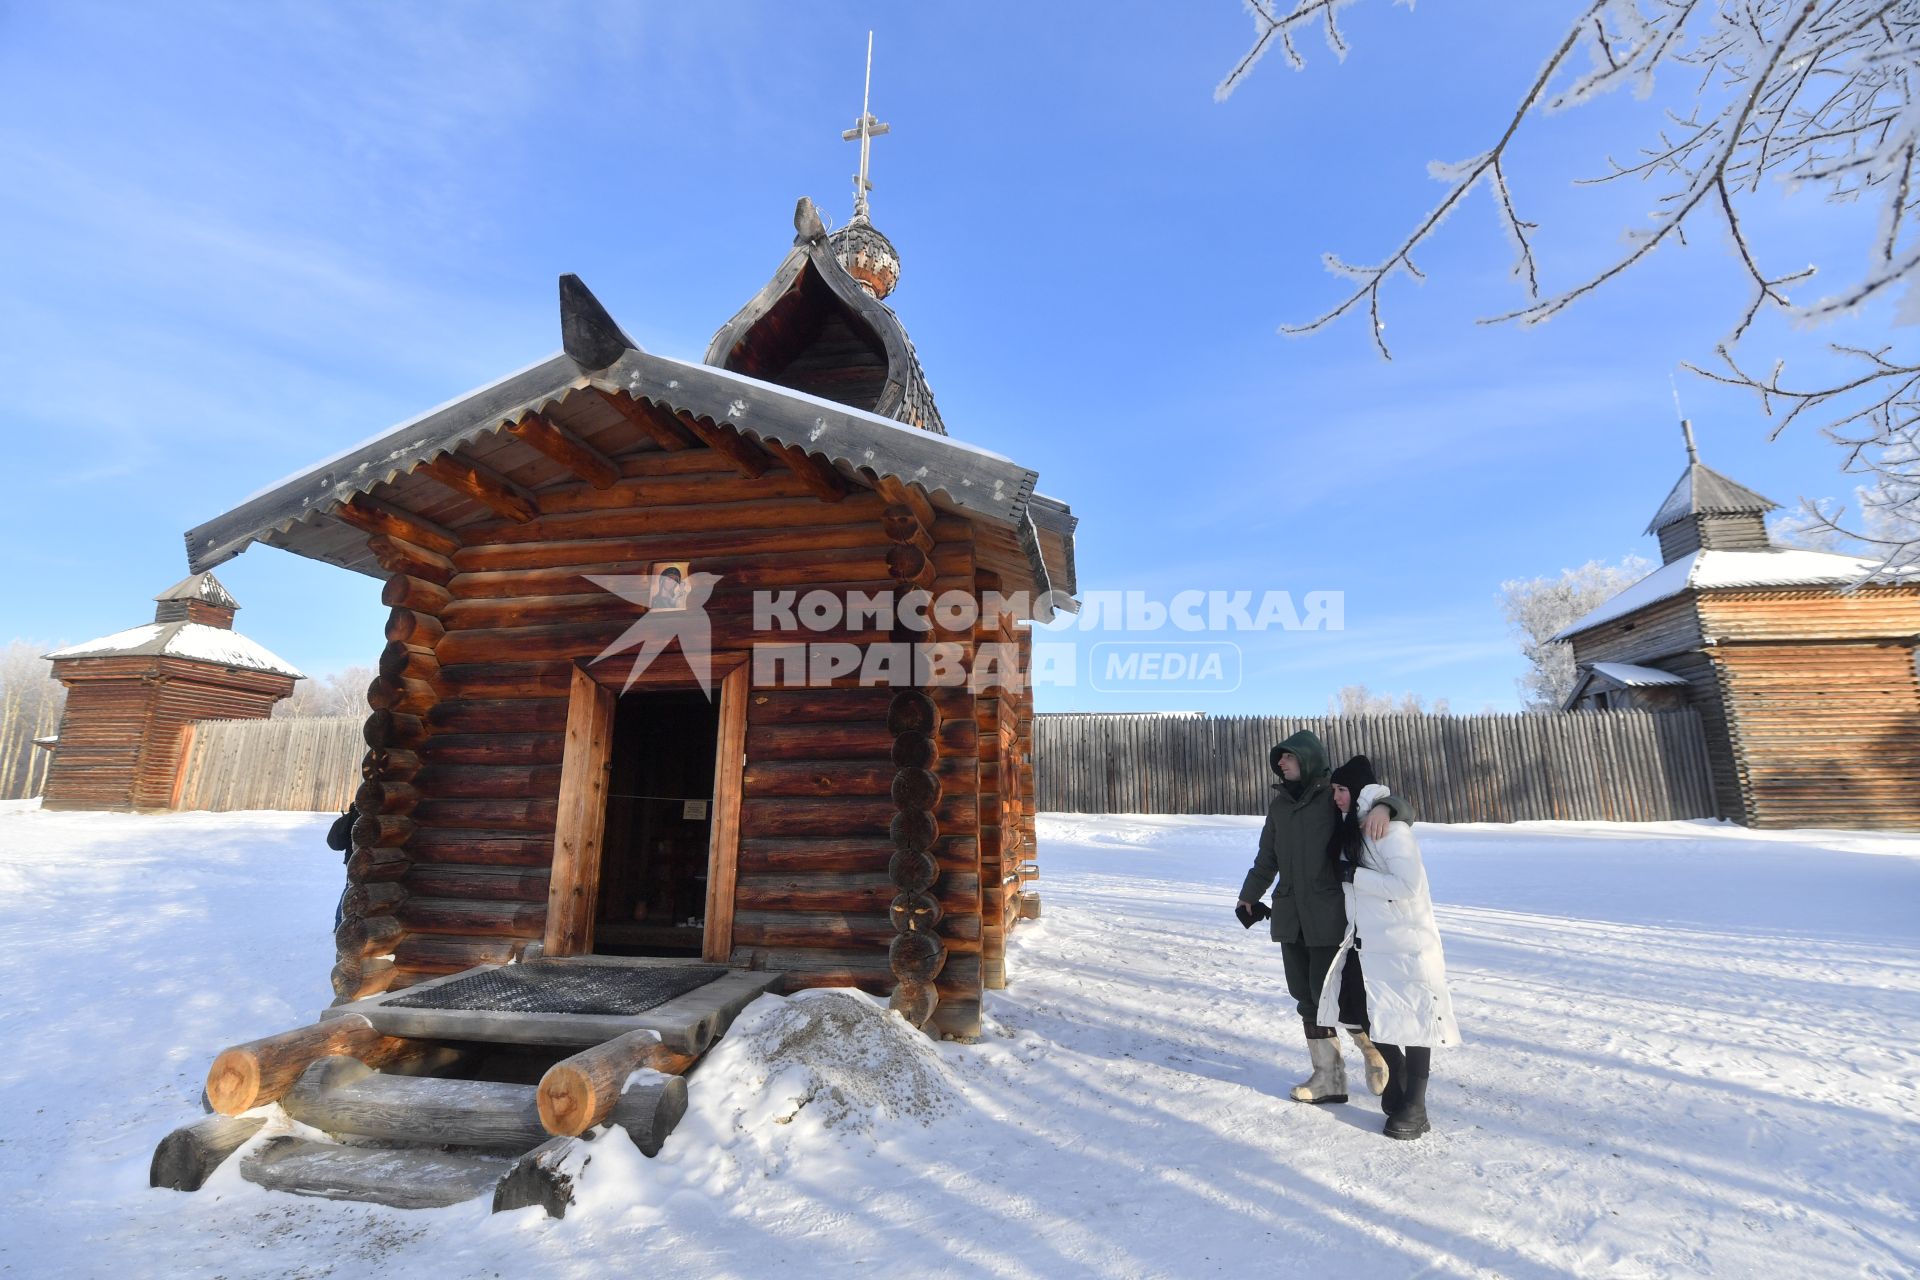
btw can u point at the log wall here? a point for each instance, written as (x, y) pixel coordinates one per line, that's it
(467, 718)
(1822, 703)
(121, 734)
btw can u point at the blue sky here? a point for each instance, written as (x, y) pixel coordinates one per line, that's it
(239, 237)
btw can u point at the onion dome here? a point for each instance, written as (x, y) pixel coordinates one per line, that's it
(867, 256)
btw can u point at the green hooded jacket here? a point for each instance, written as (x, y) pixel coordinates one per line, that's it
(1308, 904)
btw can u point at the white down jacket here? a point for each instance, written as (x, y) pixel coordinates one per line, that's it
(1391, 913)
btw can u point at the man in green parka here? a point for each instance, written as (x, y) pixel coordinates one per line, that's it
(1309, 908)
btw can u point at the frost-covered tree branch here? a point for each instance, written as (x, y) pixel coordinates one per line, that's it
(1818, 93)
(1874, 416)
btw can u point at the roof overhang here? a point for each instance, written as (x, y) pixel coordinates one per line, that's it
(864, 447)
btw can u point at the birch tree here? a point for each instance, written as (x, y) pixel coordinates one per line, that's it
(1539, 608)
(1359, 700)
(30, 704)
(1815, 95)
(339, 693)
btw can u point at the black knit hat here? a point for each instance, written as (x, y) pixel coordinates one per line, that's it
(1355, 775)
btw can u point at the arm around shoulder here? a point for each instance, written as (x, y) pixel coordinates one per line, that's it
(1400, 807)
(1392, 866)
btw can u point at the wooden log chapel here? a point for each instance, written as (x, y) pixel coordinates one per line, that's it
(563, 848)
(519, 795)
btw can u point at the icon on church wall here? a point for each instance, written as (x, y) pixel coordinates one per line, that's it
(669, 585)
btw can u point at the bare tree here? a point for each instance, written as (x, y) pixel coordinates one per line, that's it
(341, 693)
(31, 701)
(1358, 700)
(1537, 609)
(1817, 93)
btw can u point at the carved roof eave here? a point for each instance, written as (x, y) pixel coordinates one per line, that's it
(958, 478)
(903, 366)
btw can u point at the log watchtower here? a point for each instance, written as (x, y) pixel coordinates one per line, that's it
(1802, 671)
(130, 694)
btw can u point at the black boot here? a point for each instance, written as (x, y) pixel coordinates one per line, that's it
(1396, 1076)
(1408, 1119)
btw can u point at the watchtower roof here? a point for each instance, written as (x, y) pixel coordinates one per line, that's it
(1703, 491)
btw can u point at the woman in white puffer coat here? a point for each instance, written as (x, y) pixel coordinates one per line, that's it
(1390, 922)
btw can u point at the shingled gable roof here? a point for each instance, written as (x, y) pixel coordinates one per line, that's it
(599, 361)
(1703, 491)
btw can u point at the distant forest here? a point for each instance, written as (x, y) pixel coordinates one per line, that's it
(30, 704)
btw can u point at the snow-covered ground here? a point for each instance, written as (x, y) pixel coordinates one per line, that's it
(1691, 1049)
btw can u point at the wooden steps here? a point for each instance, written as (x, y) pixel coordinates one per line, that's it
(686, 1024)
(398, 1134)
(342, 1095)
(403, 1177)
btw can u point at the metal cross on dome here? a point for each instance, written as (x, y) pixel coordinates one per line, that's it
(866, 129)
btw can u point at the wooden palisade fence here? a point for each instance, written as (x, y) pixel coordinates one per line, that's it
(1628, 766)
(302, 764)
(1624, 766)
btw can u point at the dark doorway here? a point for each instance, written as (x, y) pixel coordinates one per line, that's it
(654, 854)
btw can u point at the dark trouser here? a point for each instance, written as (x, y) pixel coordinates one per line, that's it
(1407, 1073)
(1307, 973)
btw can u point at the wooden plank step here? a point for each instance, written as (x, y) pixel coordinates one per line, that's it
(341, 1095)
(686, 1024)
(404, 1177)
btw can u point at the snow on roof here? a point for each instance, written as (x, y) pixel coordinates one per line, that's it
(1701, 490)
(1703, 570)
(194, 641)
(1667, 580)
(200, 586)
(1634, 677)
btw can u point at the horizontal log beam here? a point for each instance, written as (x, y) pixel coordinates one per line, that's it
(420, 630)
(187, 1157)
(261, 1071)
(474, 847)
(355, 977)
(397, 555)
(519, 748)
(580, 1092)
(474, 918)
(655, 423)
(898, 493)
(367, 936)
(432, 954)
(499, 715)
(818, 475)
(404, 591)
(545, 436)
(484, 485)
(455, 880)
(748, 458)
(372, 515)
(343, 1095)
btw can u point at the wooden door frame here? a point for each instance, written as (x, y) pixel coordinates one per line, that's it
(573, 892)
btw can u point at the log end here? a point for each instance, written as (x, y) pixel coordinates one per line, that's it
(187, 1157)
(569, 1104)
(233, 1083)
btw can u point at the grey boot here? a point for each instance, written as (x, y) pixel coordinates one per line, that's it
(1329, 1080)
(1376, 1065)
